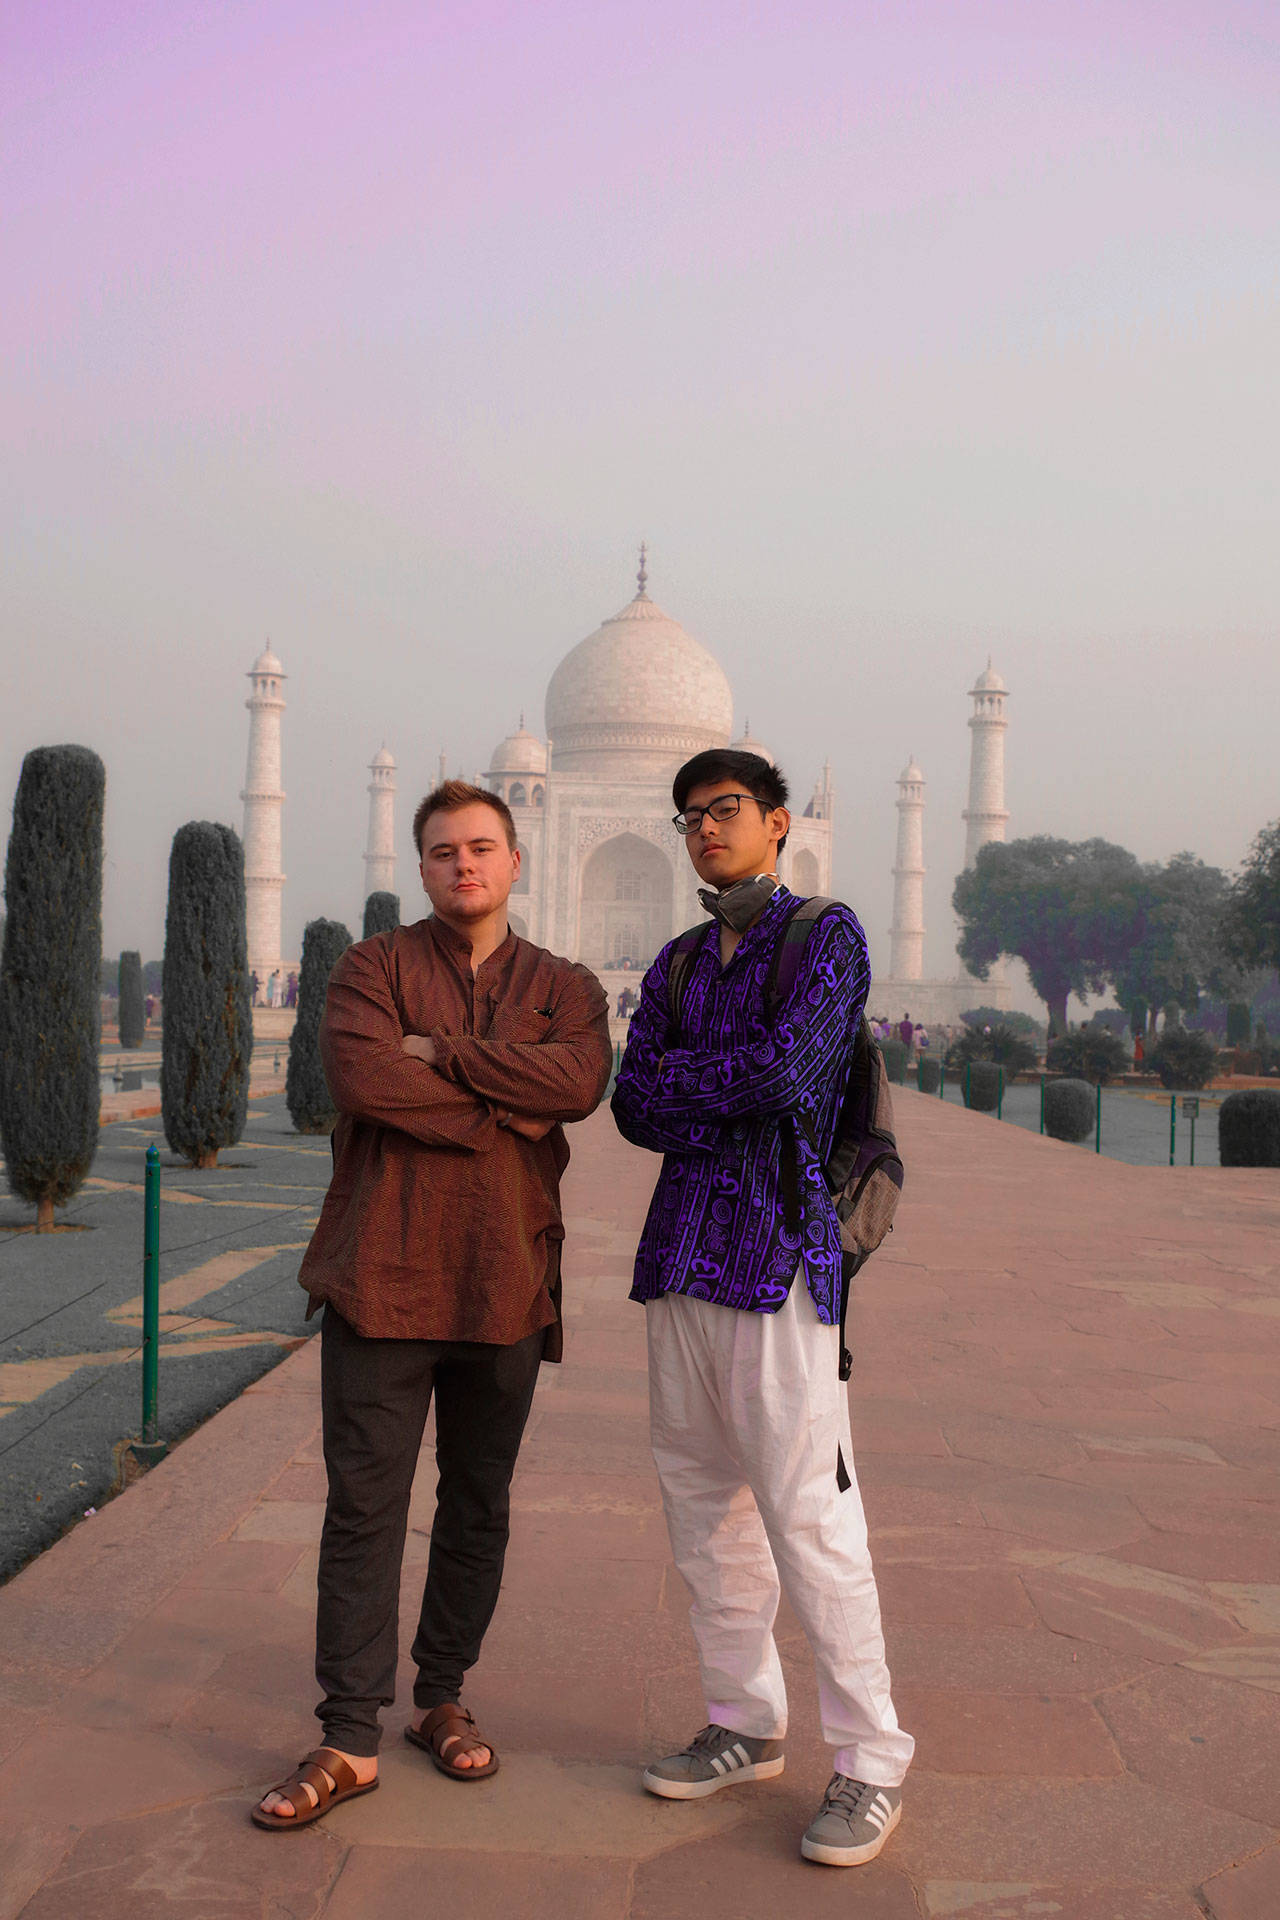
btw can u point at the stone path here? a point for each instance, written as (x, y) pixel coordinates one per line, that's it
(1067, 1410)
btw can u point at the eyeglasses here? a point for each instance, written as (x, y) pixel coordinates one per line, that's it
(723, 807)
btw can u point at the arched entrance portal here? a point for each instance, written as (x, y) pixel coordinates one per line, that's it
(804, 874)
(627, 895)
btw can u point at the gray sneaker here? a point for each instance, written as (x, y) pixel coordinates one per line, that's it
(852, 1824)
(714, 1758)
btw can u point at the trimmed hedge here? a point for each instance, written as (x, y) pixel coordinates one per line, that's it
(381, 914)
(980, 1085)
(305, 1089)
(132, 1007)
(1088, 1053)
(929, 1074)
(49, 977)
(208, 1024)
(1070, 1109)
(1249, 1129)
(895, 1059)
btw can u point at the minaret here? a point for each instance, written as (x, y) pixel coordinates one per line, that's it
(263, 798)
(986, 814)
(380, 852)
(906, 935)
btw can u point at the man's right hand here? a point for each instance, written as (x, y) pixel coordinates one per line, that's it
(525, 1125)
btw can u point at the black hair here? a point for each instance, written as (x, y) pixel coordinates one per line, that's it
(759, 777)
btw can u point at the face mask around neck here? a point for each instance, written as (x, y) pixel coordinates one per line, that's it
(742, 903)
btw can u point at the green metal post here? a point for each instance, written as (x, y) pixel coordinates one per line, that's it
(1173, 1129)
(942, 1080)
(968, 1074)
(1097, 1131)
(1042, 1103)
(151, 1297)
(1194, 1111)
(1000, 1094)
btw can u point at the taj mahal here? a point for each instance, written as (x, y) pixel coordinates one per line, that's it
(604, 878)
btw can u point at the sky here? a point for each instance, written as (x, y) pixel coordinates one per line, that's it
(904, 334)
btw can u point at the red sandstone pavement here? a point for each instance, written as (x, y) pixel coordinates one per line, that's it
(1067, 1409)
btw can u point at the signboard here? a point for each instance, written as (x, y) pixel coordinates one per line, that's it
(1190, 1106)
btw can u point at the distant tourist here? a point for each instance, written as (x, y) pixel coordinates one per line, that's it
(1139, 1053)
(906, 1032)
(437, 1262)
(749, 1419)
(291, 991)
(922, 1039)
(254, 985)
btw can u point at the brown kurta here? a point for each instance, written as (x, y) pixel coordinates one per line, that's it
(439, 1224)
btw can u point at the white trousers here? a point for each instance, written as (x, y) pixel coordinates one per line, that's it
(747, 1416)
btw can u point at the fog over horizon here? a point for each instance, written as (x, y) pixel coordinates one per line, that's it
(904, 336)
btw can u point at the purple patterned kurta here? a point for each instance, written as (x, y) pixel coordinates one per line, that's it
(713, 1106)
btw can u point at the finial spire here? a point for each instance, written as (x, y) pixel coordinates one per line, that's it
(522, 719)
(642, 577)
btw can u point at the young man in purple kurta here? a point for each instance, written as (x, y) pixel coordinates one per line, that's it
(739, 1268)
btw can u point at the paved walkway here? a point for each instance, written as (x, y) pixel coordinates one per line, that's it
(1067, 1409)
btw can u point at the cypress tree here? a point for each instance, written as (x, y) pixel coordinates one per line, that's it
(49, 975)
(305, 1088)
(132, 1016)
(381, 914)
(208, 1026)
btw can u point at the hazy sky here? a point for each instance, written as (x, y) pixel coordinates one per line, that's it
(904, 333)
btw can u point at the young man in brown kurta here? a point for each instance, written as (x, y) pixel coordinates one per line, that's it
(453, 1051)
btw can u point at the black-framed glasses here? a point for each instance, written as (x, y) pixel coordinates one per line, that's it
(723, 807)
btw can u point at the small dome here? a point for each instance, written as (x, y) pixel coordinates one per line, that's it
(520, 752)
(989, 681)
(911, 773)
(383, 757)
(749, 745)
(267, 662)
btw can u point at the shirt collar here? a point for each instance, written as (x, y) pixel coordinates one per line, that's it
(776, 908)
(459, 948)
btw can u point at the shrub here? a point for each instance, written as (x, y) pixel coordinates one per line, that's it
(1022, 1023)
(1070, 1109)
(895, 1059)
(1182, 1058)
(305, 1089)
(981, 1085)
(1249, 1129)
(1088, 1053)
(1239, 1023)
(928, 1074)
(381, 915)
(1008, 1049)
(49, 972)
(132, 1013)
(208, 1026)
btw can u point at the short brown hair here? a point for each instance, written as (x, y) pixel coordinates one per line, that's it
(450, 797)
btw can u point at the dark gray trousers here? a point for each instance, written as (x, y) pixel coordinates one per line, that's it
(375, 1395)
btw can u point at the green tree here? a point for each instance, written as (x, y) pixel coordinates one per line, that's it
(1176, 950)
(1252, 921)
(1009, 1049)
(381, 915)
(1065, 908)
(306, 1090)
(208, 1026)
(132, 1014)
(49, 972)
(1088, 1053)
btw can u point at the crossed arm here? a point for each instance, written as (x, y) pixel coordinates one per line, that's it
(677, 1099)
(453, 1090)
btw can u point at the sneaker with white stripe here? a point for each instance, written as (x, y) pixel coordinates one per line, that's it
(852, 1824)
(716, 1757)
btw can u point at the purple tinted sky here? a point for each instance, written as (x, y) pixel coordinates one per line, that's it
(903, 333)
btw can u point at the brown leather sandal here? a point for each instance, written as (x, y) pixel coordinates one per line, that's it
(450, 1725)
(310, 1772)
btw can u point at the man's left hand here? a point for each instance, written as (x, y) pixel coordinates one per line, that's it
(421, 1046)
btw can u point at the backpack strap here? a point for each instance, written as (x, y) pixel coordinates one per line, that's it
(683, 953)
(788, 953)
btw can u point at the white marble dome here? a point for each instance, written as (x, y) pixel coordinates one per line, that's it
(520, 752)
(637, 697)
(911, 774)
(383, 757)
(989, 681)
(267, 662)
